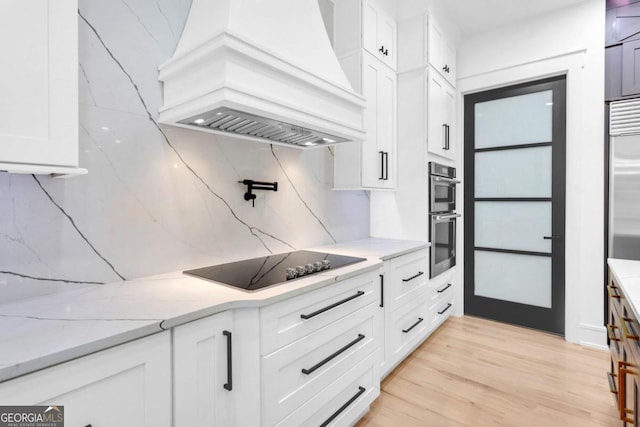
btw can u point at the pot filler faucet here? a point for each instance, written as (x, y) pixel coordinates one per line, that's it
(257, 185)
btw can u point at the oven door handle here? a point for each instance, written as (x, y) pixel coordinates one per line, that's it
(443, 179)
(448, 216)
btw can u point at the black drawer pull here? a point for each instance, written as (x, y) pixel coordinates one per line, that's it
(420, 319)
(333, 356)
(448, 307)
(420, 273)
(329, 307)
(229, 385)
(343, 407)
(445, 288)
(381, 290)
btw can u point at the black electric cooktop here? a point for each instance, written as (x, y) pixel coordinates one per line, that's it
(258, 273)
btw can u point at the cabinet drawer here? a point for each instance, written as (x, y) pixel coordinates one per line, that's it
(408, 326)
(298, 372)
(441, 289)
(407, 273)
(342, 402)
(289, 320)
(440, 311)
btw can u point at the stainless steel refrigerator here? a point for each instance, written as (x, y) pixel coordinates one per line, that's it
(624, 180)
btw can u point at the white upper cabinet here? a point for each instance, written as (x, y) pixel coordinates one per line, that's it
(379, 34)
(363, 24)
(441, 51)
(366, 49)
(372, 163)
(39, 74)
(441, 115)
(424, 41)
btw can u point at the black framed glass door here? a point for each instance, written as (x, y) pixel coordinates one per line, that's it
(514, 204)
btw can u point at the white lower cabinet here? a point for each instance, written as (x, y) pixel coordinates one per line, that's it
(344, 401)
(409, 325)
(203, 372)
(441, 301)
(314, 359)
(406, 281)
(128, 385)
(319, 351)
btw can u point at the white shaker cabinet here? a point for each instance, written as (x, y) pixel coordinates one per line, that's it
(365, 43)
(362, 24)
(39, 81)
(203, 372)
(406, 309)
(441, 51)
(441, 114)
(379, 34)
(372, 163)
(128, 386)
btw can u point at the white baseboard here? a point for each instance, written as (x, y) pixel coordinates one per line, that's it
(594, 336)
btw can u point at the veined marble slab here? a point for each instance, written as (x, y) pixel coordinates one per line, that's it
(157, 198)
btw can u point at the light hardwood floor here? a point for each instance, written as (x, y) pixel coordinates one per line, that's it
(475, 372)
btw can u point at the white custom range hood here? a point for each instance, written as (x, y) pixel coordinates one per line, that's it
(262, 70)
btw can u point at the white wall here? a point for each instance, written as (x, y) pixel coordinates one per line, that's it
(569, 41)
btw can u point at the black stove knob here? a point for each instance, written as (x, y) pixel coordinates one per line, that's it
(301, 271)
(310, 268)
(326, 264)
(318, 265)
(291, 273)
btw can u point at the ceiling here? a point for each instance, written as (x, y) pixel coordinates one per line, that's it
(475, 16)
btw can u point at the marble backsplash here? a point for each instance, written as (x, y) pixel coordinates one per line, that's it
(157, 198)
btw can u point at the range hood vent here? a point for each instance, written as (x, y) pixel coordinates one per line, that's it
(260, 70)
(225, 120)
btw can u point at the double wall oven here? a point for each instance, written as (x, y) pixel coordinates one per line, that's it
(442, 217)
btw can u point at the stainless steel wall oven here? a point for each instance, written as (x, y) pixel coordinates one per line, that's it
(442, 188)
(442, 217)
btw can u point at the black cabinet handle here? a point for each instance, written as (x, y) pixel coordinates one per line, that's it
(445, 136)
(88, 425)
(329, 307)
(386, 165)
(446, 69)
(553, 237)
(445, 288)
(383, 51)
(343, 407)
(448, 137)
(420, 319)
(332, 356)
(381, 290)
(420, 273)
(448, 307)
(229, 385)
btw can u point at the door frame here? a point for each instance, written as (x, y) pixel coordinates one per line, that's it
(522, 314)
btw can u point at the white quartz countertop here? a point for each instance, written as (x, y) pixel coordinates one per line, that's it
(627, 274)
(373, 247)
(39, 332)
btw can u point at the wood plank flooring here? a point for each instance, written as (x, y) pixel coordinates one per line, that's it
(476, 372)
